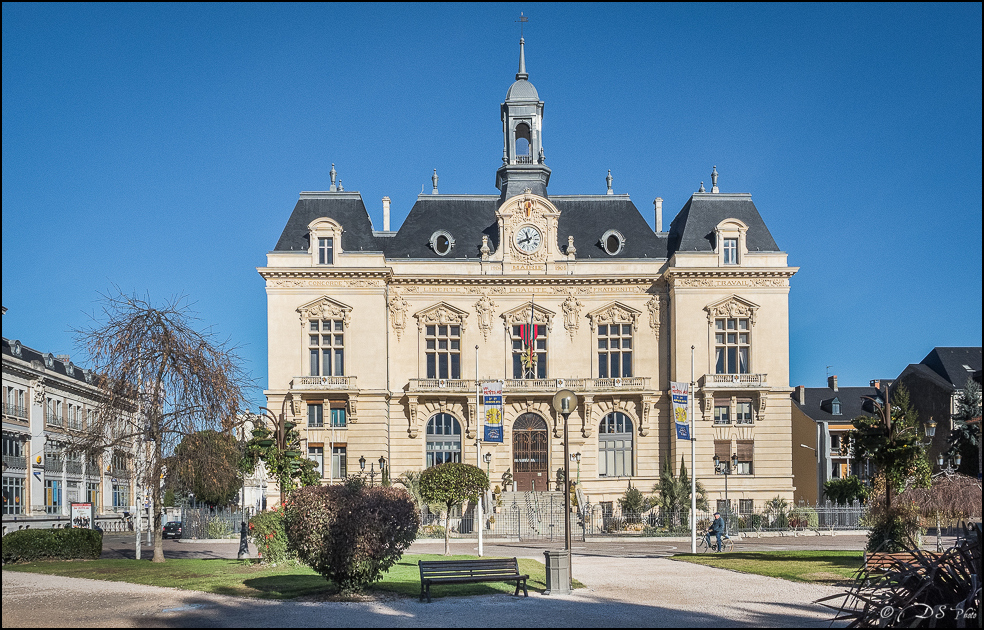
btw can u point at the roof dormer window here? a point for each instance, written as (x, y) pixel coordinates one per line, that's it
(835, 407)
(325, 242)
(729, 241)
(441, 242)
(612, 242)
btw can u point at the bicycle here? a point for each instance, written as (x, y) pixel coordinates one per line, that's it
(727, 544)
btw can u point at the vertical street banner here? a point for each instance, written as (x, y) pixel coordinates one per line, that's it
(492, 410)
(680, 394)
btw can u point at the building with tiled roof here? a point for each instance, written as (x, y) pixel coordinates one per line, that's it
(378, 338)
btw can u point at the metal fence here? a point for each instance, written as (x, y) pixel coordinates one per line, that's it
(540, 516)
(211, 523)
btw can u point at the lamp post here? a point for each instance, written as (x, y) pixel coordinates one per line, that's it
(576, 457)
(948, 465)
(372, 469)
(488, 463)
(281, 435)
(726, 468)
(564, 403)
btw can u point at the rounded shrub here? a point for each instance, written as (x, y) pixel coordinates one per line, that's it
(349, 533)
(30, 545)
(266, 531)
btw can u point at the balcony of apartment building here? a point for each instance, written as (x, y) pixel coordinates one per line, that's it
(14, 412)
(324, 383)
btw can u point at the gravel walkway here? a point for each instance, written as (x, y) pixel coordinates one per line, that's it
(621, 592)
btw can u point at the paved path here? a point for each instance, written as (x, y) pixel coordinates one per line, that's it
(636, 588)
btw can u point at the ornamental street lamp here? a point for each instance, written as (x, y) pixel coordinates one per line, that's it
(564, 403)
(576, 457)
(372, 469)
(948, 465)
(726, 468)
(281, 437)
(488, 463)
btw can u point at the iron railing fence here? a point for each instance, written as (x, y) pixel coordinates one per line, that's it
(211, 523)
(540, 516)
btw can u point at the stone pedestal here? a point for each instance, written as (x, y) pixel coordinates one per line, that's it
(558, 573)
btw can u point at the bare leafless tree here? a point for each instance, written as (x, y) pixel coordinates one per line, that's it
(160, 379)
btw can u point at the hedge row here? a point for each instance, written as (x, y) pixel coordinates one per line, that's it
(29, 545)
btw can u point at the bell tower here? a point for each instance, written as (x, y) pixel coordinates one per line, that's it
(523, 164)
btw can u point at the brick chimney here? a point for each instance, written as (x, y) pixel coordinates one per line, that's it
(801, 394)
(386, 214)
(832, 382)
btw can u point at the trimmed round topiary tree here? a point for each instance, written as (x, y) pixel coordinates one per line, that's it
(452, 484)
(349, 533)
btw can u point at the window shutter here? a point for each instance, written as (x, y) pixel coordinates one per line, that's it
(746, 450)
(722, 449)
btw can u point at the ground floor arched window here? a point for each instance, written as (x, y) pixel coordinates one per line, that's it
(615, 446)
(443, 440)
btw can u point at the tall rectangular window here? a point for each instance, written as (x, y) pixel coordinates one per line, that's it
(743, 413)
(53, 496)
(338, 465)
(746, 506)
(730, 251)
(614, 350)
(722, 412)
(121, 495)
(317, 453)
(745, 452)
(523, 367)
(326, 347)
(731, 340)
(326, 251)
(443, 348)
(338, 415)
(316, 415)
(92, 494)
(13, 495)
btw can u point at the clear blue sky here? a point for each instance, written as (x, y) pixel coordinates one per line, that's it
(160, 148)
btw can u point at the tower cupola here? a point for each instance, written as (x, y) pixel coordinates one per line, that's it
(523, 162)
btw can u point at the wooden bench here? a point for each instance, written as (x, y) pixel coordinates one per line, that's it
(469, 571)
(881, 562)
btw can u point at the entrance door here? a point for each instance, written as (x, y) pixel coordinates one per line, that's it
(530, 462)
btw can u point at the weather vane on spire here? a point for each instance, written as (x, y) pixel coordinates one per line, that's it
(522, 20)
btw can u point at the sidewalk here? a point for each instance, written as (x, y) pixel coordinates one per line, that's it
(621, 592)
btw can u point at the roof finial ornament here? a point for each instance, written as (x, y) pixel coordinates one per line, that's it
(701, 187)
(332, 174)
(340, 189)
(608, 180)
(522, 74)
(434, 180)
(714, 180)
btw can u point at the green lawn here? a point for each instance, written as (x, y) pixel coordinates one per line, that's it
(250, 579)
(819, 567)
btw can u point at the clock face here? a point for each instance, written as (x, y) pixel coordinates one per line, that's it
(528, 239)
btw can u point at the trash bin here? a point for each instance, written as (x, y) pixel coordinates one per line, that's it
(558, 573)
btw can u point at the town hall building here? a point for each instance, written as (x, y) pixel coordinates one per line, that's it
(378, 339)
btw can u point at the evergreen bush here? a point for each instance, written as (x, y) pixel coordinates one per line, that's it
(349, 533)
(30, 545)
(266, 530)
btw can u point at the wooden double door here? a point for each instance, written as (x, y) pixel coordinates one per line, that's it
(531, 459)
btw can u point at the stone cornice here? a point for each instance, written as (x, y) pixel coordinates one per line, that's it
(324, 273)
(733, 272)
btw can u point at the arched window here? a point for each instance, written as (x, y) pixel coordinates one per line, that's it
(523, 140)
(443, 440)
(615, 446)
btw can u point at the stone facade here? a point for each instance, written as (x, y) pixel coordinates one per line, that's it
(466, 271)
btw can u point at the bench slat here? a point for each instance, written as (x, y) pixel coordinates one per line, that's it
(470, 571)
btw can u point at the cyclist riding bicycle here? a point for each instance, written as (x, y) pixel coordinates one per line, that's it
(716, 528)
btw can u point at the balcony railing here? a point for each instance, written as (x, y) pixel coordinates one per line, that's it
(53, 464)
(17, 411)
(522, 386)
(323, 382)
(729, 381)
(14, 461)
(54, 419)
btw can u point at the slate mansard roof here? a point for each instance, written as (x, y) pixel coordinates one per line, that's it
(30, 355)
(585, 217)
(817, 405)
(693, 227)
(955, 365)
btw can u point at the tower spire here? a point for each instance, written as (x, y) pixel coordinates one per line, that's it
(522, 74)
